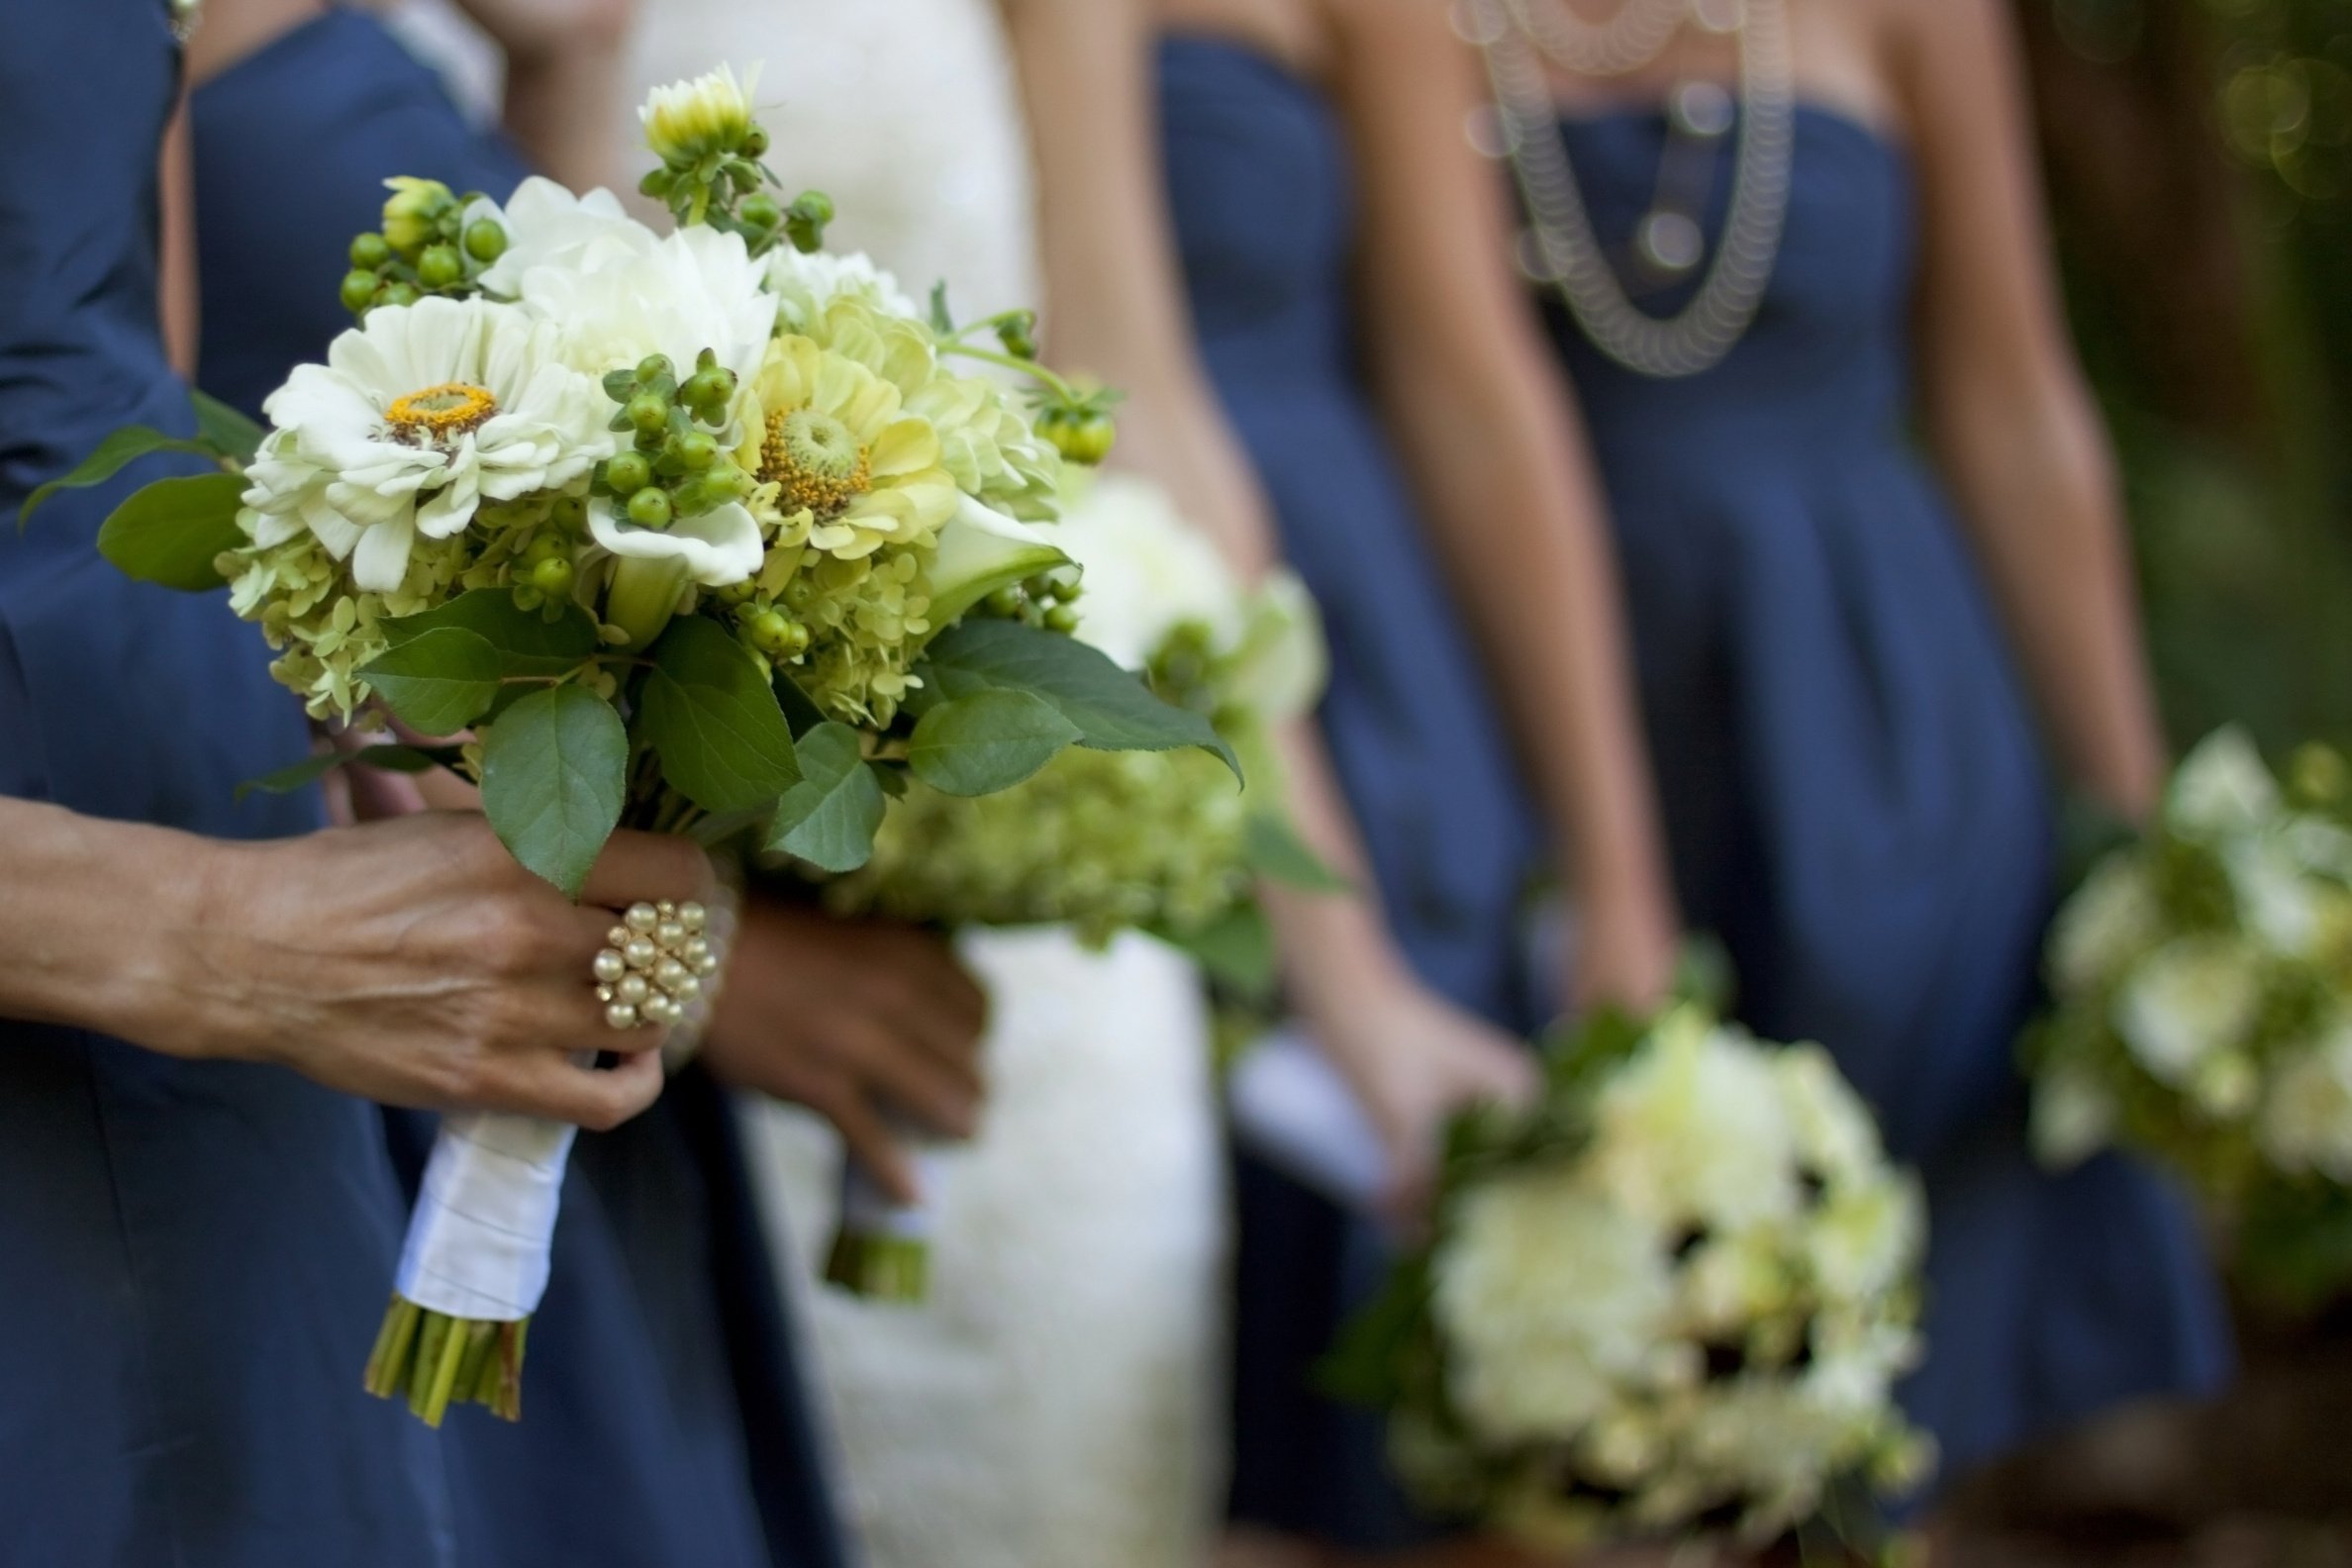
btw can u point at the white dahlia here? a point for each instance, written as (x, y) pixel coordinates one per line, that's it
(417, 417)
(2189, 1000)
(1693, 1131)
(546, 226)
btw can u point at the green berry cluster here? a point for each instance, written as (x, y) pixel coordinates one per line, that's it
(543, 570)
(1077, 422)
(426, 246)
(674, 467)
(731, 190)
(1047, 601)
(774, 625)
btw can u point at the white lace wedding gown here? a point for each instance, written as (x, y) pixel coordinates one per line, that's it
(1057, 1401)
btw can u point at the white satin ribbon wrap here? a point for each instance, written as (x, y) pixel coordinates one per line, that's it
(1291, 1108)
(869, 1210)
(478, 1243)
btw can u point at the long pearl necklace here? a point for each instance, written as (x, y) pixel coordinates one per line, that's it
(1563, 247)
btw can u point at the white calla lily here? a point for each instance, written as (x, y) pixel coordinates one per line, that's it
(981, 551)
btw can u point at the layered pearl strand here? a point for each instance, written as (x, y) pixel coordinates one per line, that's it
(654, 964)
(1561, 246)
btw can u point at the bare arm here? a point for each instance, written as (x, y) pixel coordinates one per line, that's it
(1117, 311)
(1485, 423)
(177, 295)
(563, 74)
(2008, 410)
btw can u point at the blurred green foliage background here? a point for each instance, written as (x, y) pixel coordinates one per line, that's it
(2200, 159)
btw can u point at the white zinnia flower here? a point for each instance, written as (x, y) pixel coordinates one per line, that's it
(694, 289)
(416, 418)
(546, 226)
(1692, 1130)
(712, 113)
(1548, 1295)
(2187, 1000)
(2307, 1116)
(2224, 787)
(2109, 919)
(804, 283)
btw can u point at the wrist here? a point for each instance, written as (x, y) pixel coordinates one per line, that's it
(161, 974)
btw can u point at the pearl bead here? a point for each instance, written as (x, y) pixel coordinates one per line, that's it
(707, 965)
(610, 966)
(604, 993)
(618, 937)
(633, 990)
(666, 910)
(660, 1010)
(641, 953)
(692, 916)
(641, 918)
(697, 949)
(621, 1015)
(669, 935)
(669, 972)
(686, 989)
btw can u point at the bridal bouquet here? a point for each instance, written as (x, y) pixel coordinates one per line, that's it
(695, 532)
(2202, 979)
(1103, 841)
(1674, 1295)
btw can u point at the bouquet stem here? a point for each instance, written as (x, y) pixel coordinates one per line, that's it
(434, 1360)
(881, 1249)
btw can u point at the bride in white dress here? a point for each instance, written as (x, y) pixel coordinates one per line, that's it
(1058, 1399)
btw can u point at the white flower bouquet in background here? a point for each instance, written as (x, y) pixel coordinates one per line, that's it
(666, 531)
(1672, 1297)
(2201, 984)
(1106, 841)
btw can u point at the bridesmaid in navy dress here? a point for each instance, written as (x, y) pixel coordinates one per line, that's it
(197, 1238)
(1854, 790)
(666, 1421)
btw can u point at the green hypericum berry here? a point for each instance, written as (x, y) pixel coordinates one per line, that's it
(1063, 619)
(648, 412)
(485, 240)
(736, 594)
(708, 392)
(695, 451)
(628, 472)
(553, 577)
(771, 634)
(761, 211)
(1006, 603)
(370, 250)
(359, 291)
(799, 593)
(570, 514)
(726, 478)
(1017, 335)
(756, 142)
(649, 507)
(1082, 435)
(440, 267)
(398, 293)
(655, 368)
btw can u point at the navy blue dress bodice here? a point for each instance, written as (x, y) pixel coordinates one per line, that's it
(1853, 792)
(664, 1418)
(1261, 194)
(191, 1254)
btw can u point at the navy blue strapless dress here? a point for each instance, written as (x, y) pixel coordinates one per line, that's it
(666, 1419)
(1259, 188)
(192, 1256)
(1853, 792)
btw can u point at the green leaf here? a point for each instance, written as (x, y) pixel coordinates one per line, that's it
(124, 447)
(829, 816)
(224, 428)
(713, 719)
(554, 775)
(943, 321)
(800, 709)
(437, 682)
(1235, 951)
(528, 642)
(1273, 849)
(390, 758)
(987, 742)
(1366, 1364)
(169, 533)
(1112, 708)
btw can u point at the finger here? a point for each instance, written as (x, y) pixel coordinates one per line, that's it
(870, 1142)
(910, 1079)
(649, 867)
(598, 1098)
(933, 971)
(944, 1044)
(564, 1018)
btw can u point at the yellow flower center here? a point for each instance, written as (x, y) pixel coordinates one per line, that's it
(815, 462)
(439, 412)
